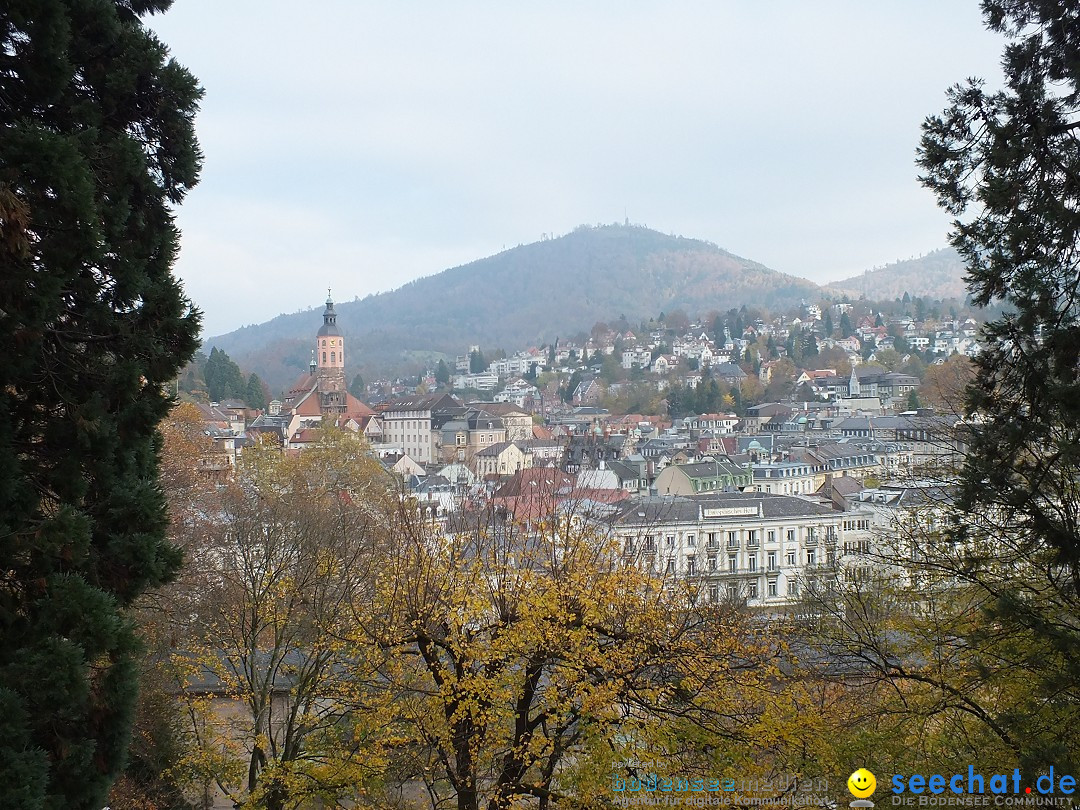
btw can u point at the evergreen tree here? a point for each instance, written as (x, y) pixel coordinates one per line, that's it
(1020, 144)
(677, 400)
(1006, 165)
(255, 394)
(97, 147)
(718, 329)
(571, 386)
(920, 309)
(795, 348)
(224, 380)
(476, 362)
(846, 329)
(357, 387)
(442, 373)
(828, 323)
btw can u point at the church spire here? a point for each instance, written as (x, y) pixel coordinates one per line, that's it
(330, 358)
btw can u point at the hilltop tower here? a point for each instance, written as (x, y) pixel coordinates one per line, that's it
(330, 362)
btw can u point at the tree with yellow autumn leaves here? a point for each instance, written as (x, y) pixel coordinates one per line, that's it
(531, 662)
(269, 666)
(336, 645)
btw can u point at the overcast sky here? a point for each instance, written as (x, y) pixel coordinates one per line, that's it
(360, 145)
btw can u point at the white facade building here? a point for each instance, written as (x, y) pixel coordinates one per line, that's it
(757, 548)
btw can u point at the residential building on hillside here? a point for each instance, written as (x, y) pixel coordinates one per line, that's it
(517, 422)
(519, 393)
(929, 436)
(728, 372)
(636, 357)
(715, 422)
(548, 452)
(714, 475)
(407, 423)
(458, 434)
(504, 458)
(788, 477)
(839, 459)
(631, 474)
(481, 381)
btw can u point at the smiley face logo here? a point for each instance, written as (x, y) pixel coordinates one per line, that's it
(861, 783)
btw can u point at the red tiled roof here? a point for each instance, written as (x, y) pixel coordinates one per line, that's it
(308, 406)
(303, 384)
(356, 408)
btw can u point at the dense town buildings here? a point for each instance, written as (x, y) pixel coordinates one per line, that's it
(753, 503)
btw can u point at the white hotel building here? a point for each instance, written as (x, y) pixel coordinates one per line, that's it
(755, 547)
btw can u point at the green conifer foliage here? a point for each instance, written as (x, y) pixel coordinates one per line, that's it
(96, 145)
(1007, 166)
(255, 392)
(224, 380)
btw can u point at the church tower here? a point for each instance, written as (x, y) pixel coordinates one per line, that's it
(330, 362)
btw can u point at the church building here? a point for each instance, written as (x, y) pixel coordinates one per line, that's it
(322, 393)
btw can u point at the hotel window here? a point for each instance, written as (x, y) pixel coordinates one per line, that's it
(791, 535)
(712, 562)
(333, 357)
(733, 539)
(732, 563)
(733, 592)
(714, 593)
(792, 588)
(811, 557)
(791, 558)
(691, 566)
(772, 587)
(691, 540)
(772, 560)
(751, 590)
(324, 357)
(669, 541)
(751, 562)
(772, 535)
(670, 569)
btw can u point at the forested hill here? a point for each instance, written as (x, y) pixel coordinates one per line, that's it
(527, 295)
(938, 274)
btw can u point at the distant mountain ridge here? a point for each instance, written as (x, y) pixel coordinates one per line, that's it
(938, 274)
(528, 295)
